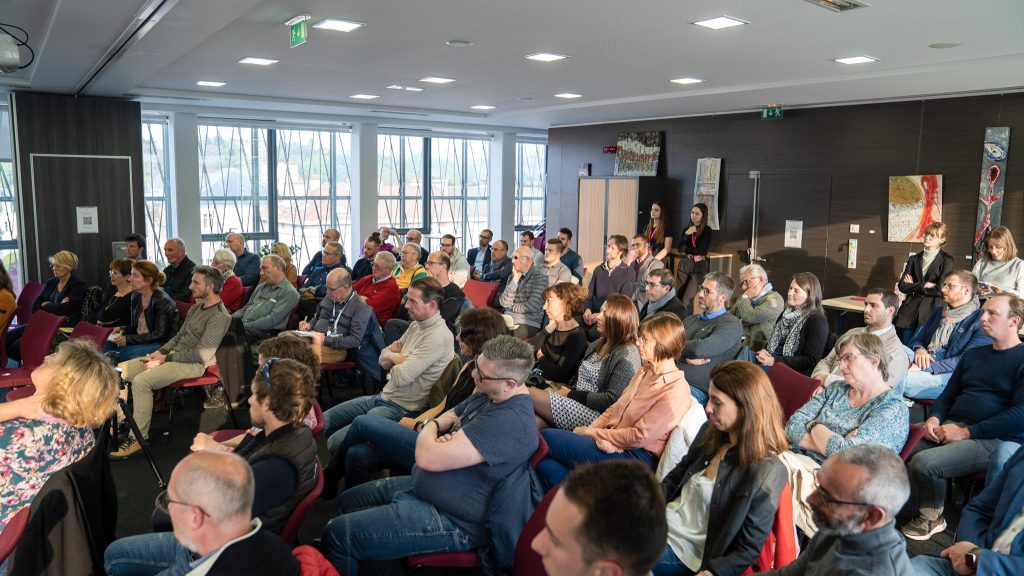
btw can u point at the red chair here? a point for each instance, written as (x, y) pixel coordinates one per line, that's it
(312, 562)
(318, 428)
(183, 308)
(209, 378)
(290, 532)
(527, 562)
(246, 294)
(35, 345)
(300, 280)
(19, 393)
(793, 388)
(781, 547)
(3, 340)
(915, 435)
(481, 294)
(98, 334)
(28, 296)
(12, 533)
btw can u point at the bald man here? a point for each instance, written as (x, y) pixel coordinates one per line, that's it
(247, 268)
(330, 235)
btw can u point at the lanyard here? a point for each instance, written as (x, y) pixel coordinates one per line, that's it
(337, 314)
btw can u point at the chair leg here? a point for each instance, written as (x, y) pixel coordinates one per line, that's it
(170, 415)
(227, 404)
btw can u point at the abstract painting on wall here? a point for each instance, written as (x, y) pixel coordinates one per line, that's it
(993, 179)
(637, 154)
(705, 187)
(914, 203)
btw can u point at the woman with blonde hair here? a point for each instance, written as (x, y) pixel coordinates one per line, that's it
(154, 317)
(290, 272)
(723, 495)
(999, 270)
(76, 390)
(62, 295)
(922, 281)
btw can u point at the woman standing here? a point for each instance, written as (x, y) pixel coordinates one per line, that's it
(657, 233)
(999, 270)
(722, 497)
(639, 423)
(695, 243)
(608, 366)
(922, 281)
(561, 344)
(116, 303)
(798, 339)
(154, 315)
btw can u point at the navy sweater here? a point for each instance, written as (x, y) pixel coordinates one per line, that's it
(986, 392)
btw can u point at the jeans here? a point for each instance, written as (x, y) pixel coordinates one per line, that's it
(566, 450)
(131, 351)
(337, 419)
(921, 385)
(1000, 456)
(383, 520)
(699, 395)
(145, 555)
(372, 444)
(931, 464)
(931, 566)
(670, 565)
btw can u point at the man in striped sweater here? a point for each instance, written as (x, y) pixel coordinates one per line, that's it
(187, 355)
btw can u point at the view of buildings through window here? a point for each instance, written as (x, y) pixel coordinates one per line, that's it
(8, 210)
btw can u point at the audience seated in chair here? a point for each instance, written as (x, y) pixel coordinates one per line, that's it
(153, 320)
(209, 500)
(552, 266)
(857, 494)
(638, 424)
(187, 355)
(341, 319)
(247, 265)
(115, 303)
(723, 495)
(62, 295)
(608, 365)
(499, 268)
(949, 332)
(409, 267)
(438, 265)
(380, 290)
(757, 307)
(415, 362)
(178, 271)
(373, 443)
(982, 405)
(271, 302)
(474, 447)
(607, 518)
(523, 294)
(364, 265)
(76, 389)
(661, 296)
(415, 237)
(643, 262)
(233, 293)
(859, 409)
(569, 257)
(330, 235)
(562, 343)
(527, 240)
(611, 277)
(479, 257)
(879, 308)
(712, 335)
(458, 268)
(801, 331)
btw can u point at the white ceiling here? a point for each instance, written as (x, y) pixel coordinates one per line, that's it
(622, 56)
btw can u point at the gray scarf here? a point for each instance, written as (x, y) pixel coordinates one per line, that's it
(950, 318)
(787, 330)
(655, 305)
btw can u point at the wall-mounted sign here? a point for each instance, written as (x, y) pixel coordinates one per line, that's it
(87, 218)
(771, 112)
(794, 234)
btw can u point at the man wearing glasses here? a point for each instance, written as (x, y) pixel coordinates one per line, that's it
(379, 289)
(267, 311)
(950, 331)
(858, 494)
(330, 235)
(314, 288)
(341, 319)
(453, 500)
(661, 296)
(500, 267)
(712, 337)
(209, 500)
(643, 263)
(523, 296)
(758, 307)
(451, 306)
(459, 269)
(480, 257)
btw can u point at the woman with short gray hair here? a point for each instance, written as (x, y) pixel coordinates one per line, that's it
(231, 294)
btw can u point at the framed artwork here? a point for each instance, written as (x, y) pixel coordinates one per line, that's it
(993, 180)
(637, 154)
(914, 203)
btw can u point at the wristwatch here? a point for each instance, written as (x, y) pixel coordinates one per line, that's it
(419, 425)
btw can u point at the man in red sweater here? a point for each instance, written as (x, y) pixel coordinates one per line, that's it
(379, 289)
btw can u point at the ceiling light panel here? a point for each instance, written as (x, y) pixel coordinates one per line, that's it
(437, 80)
(210, 83)
(364, 96)
(568, 95)
(686, 80)
(257, 61)
(339, 25)
(483, 107)
(856, 60)
(720, 22)
(546, 57)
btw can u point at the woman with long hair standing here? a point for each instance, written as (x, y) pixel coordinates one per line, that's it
(695, 243)
(657, 232)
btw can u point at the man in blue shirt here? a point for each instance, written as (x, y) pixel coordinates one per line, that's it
(570, 258)
(712, 337)
(982, 406)
(247, 268)
(330, 235)
(315, 287)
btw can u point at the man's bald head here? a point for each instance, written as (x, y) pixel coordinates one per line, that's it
(221, 483)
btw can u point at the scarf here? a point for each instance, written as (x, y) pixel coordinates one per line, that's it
(950, 318)
(787, 330)
(655, 305)
(764, 292)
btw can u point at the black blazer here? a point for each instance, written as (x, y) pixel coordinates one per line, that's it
(49, 300)
(922, 301)
(743, 504)
(471, 257)
(162, 318)
(813, 337)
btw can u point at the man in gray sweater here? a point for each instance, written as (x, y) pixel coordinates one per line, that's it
(187, 355)
(712, 337)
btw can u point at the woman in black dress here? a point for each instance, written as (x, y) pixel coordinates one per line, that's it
(695, 243)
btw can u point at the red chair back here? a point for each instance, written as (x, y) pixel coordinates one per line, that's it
(915, 435)
(183, 308)
(3, 340)
(28, 295)
(481, 294)
(319, 413)
(19, 393)
(97, 334)
(540, 453)
(290, 532)
(246, 294)
(37, 338)
(312, 562)
(792, 388)
(527, 562)
(12, 532)
(781, 547)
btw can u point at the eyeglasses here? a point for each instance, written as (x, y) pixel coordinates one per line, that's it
(332, 288)
(433, 262)
(847, 358)
(949, 286)
(832, 500)
(748, 281)
(380, 266)
(479, 375)
(265, 370)
(652, 284)
(163, 500)
(706, 291)
(327, 253)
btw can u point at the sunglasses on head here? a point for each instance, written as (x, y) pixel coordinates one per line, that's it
(265, 370)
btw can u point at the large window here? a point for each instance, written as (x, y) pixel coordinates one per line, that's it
(8, 211)
(531, 173)
(458, 188)
(400, 181)
(156, 186)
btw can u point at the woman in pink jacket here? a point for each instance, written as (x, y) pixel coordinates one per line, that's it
(639, 423)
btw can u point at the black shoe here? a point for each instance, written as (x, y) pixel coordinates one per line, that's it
(332, 483)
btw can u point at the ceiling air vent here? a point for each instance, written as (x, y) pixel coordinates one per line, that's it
(839, 5)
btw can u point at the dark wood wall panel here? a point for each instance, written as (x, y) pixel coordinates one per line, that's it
(68, 137)
(852, 150)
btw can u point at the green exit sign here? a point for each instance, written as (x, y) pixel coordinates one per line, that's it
(771, 113)
(299, 34)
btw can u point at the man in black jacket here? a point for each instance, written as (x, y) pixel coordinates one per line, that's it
(479, 258)
(661, 296)
(178, 271)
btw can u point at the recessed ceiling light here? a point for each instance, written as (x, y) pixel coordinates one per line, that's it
(686, 80)
(257, 61)
(482, 107)
(546, 57)
(525, 99)
(364, 96)
(459, 43)
(856, 60)
(720, 22)
(568, 95)
(437, 80)
(409, 88)
(339, 25)
(943, 45)
(209, 83)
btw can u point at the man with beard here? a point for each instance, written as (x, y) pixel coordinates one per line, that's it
(859, 492)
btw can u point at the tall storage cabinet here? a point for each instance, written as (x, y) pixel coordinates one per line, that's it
(616, 205)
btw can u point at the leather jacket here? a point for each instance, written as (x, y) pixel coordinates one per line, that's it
(162, 318)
